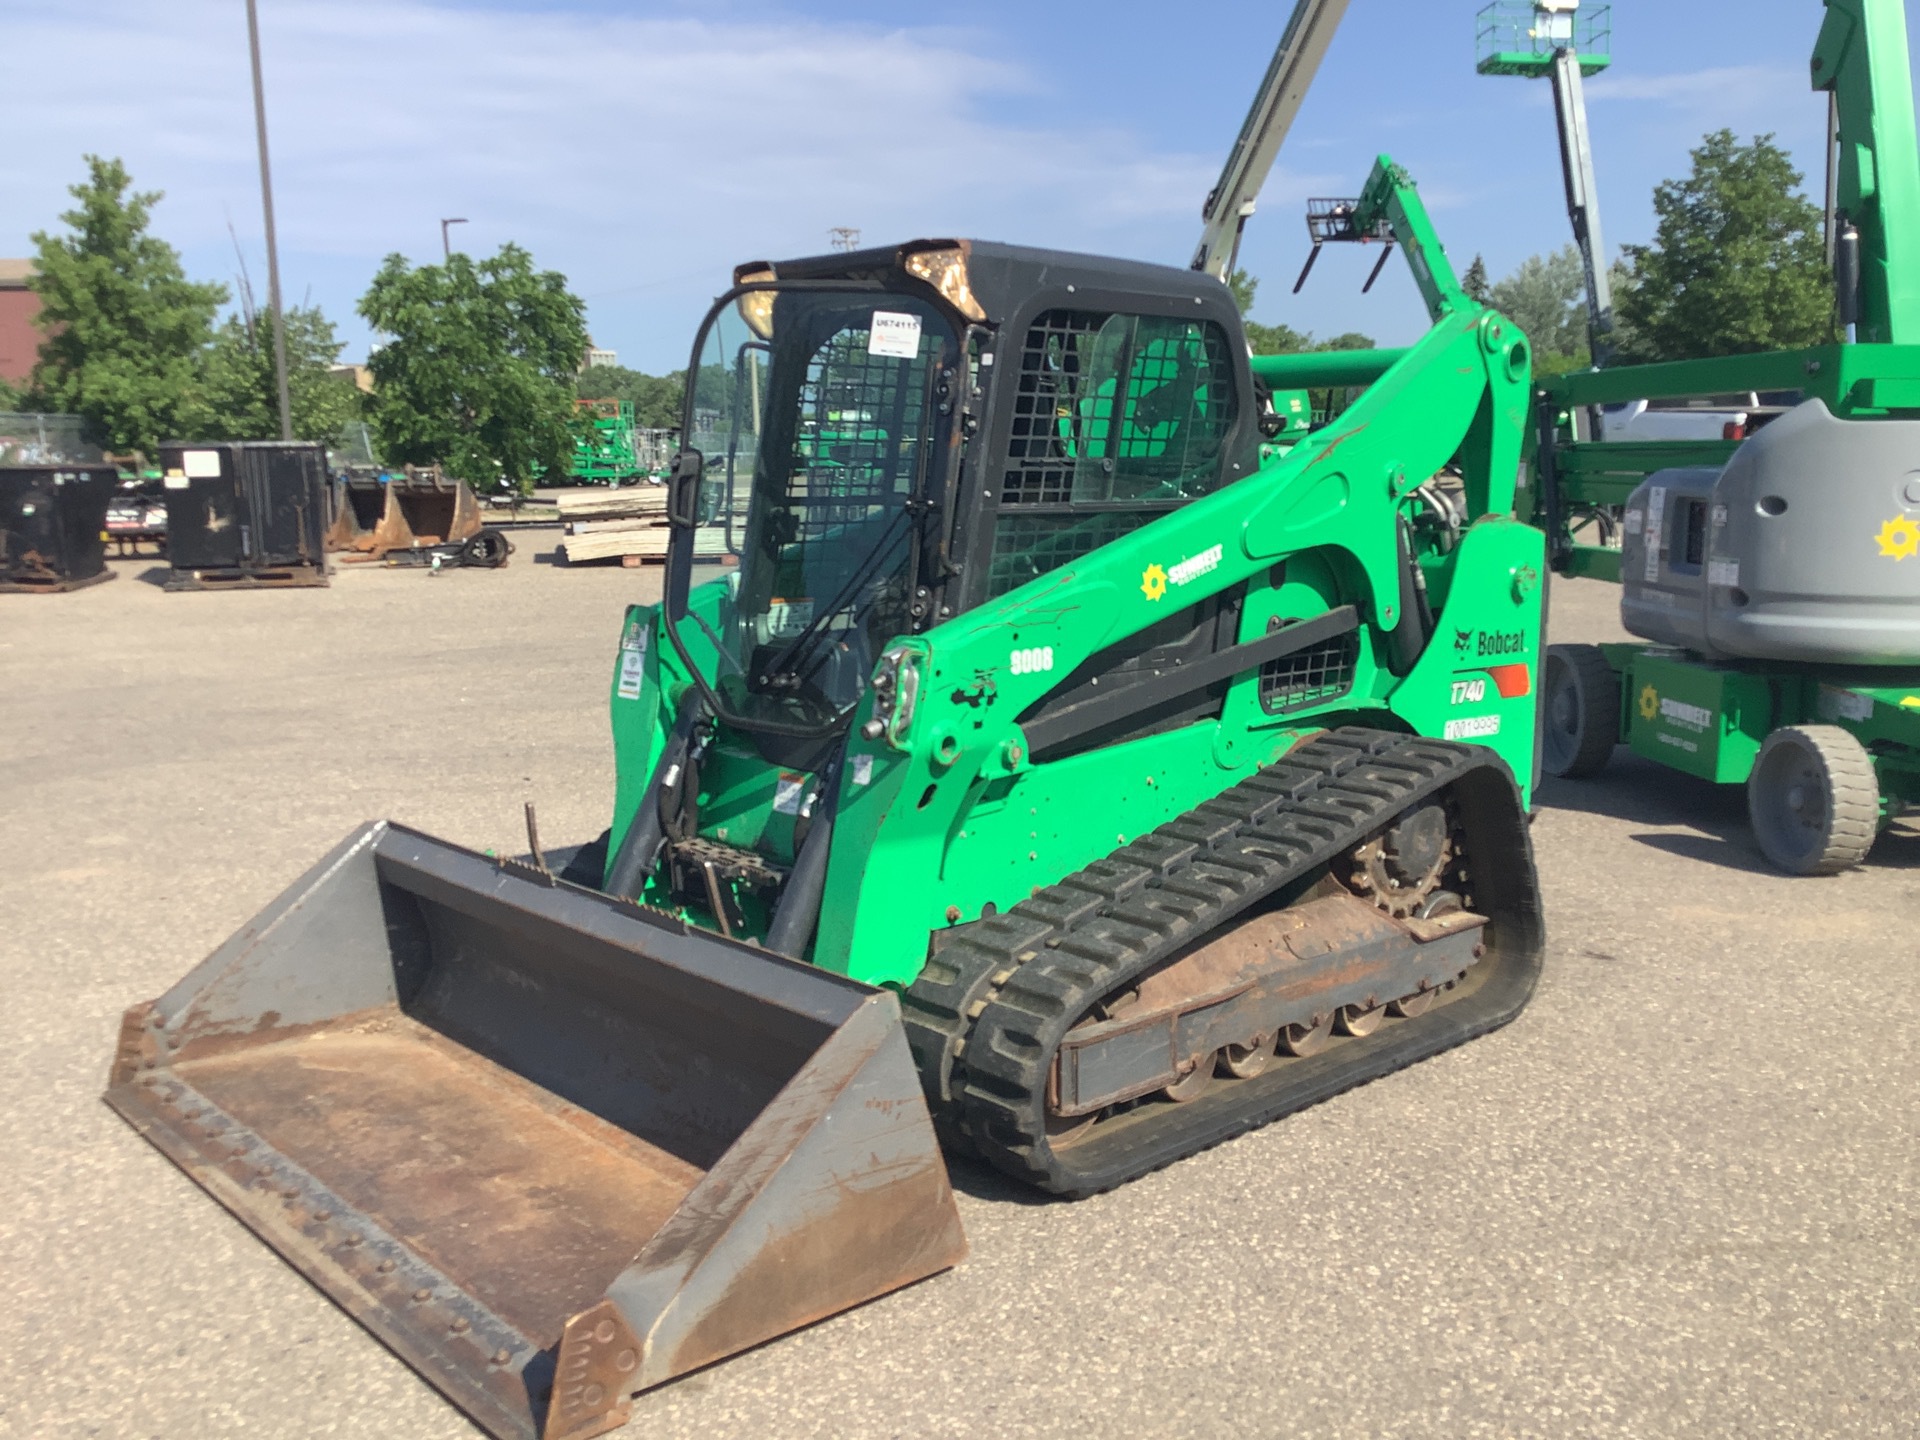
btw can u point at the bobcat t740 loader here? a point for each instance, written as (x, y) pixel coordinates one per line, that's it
(1064, 774)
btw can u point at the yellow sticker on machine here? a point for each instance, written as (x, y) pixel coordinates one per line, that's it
(1899, 538)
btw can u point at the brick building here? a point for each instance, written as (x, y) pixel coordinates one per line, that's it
(19, 337)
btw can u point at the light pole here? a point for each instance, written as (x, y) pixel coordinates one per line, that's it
(273, 249)
(446, 245)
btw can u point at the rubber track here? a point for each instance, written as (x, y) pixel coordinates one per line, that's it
(988, 1012)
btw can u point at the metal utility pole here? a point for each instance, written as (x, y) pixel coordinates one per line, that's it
(446, 245)
(844, 237)
(1549, 37)
(273, 248)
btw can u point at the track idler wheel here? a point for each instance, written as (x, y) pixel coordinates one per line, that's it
(1360, 1021)
(1195, 1083)
(1243, 1062)
(1411, 1007)
(1307, 1039)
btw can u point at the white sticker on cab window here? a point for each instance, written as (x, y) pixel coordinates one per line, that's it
(201, 464)
(788, 617)
(786, 794)
(894, 333)
(863, 769)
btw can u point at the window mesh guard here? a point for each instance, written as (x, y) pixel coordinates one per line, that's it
(1309, 677)
(1028, 546)
(857, 448)
(1117, 407)
(1110, 411)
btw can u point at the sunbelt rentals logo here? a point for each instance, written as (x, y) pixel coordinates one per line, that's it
(1654, 705)
(1155, 579)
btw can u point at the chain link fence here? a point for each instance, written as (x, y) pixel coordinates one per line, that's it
(31, 439)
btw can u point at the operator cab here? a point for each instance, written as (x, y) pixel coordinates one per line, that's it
(890, 437)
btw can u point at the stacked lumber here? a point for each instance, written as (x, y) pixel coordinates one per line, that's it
(628, 525)
(633, 501)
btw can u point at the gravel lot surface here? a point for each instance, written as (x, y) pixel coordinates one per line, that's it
(1676, 1198)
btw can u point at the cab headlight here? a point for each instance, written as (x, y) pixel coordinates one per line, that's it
(946, 270)
(896, 695)
(756, 306)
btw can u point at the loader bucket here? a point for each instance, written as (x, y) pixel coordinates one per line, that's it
(360, 510)
(403, 512)
(550, 1148)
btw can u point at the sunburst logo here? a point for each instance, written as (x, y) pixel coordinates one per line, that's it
(1649, 702)
(1899, 538)
(1153, 582)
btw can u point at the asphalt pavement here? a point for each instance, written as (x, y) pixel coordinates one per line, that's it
(1677, 1197)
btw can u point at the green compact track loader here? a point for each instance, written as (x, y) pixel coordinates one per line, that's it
(1053, 779)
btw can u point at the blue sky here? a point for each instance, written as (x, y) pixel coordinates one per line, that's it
(644, 148)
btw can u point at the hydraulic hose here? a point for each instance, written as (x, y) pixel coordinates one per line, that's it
(1408, 639)
(798, 912)
(640, 847)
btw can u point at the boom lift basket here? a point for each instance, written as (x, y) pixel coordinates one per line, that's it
(418, 507)
(550, 1148)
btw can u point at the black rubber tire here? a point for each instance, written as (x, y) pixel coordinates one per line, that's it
(1579, 713)
(1813, 800)
(486, 548)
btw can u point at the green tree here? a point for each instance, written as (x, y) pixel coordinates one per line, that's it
(238, 399)
(125, 327)
(1546, 298)
(1280, 339)
(480, 371)
(655, 398)
(1474, 282)
(1737, 265)
(1285, 340)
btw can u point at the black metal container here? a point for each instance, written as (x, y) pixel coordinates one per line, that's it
(246, 513)
(51, 523)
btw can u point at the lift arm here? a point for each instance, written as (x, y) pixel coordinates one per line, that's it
(1390, 207)
(1288, 79)
(1860, 59)
(1583, 201)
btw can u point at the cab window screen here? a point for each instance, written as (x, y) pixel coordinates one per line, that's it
(1117, 418)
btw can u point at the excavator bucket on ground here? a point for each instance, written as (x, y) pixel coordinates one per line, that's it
(416, 508)
(549, 1147)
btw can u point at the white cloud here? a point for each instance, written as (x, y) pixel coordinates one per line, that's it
(1728, 90)
(643, 157)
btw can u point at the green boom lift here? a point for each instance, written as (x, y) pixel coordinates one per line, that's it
(1052, 775)
(604, 443)
(1777, 574)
